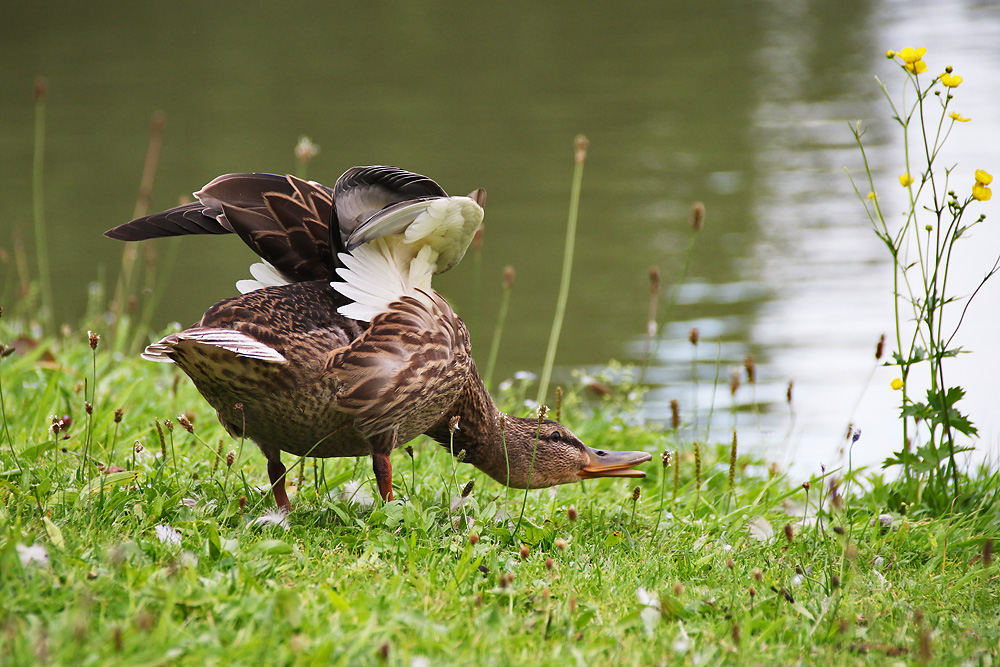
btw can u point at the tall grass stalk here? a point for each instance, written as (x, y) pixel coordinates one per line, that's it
(696, 223)
(580, 156)
(38, 205)
(542, 410)
(131, 250)
(508, 284)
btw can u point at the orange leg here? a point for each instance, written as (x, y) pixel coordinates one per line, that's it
(383, 475)
(276, 473)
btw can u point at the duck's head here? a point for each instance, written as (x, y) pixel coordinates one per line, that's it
(559, 457)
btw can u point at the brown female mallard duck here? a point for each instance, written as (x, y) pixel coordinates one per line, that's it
(340, 347)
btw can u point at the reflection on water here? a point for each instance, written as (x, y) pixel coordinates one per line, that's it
(741, 105)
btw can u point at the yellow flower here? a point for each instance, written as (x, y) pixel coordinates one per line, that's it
(917, 67)
(983, 178)
(954, 115)
(905, 179)
(911, 55)
(950, 80)
(896, 384)
(890, 53)
(981, 192)
(872, 196)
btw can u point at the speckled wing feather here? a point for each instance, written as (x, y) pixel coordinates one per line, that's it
(285, 220)
(406, 371)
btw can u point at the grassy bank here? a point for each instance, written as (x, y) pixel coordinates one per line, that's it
(169, 555)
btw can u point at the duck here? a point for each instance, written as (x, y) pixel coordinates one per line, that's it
(339, 346)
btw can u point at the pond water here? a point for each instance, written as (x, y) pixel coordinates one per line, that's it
(744, 106)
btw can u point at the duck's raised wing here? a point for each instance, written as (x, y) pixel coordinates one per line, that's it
(285, 220)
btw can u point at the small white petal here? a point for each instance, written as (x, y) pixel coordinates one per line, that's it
(33, 555)
(167, 535)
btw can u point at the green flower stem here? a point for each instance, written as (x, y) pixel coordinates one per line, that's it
(567, 270)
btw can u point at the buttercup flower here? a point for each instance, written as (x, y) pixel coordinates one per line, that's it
(950, 80)
(905, 179)
(954, 115)
(979, 190)
(896, 384)
(912, 59)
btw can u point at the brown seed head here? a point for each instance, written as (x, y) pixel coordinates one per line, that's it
(525, 551)
(580, 148)
(383, 651)
(752, 591)
(185, 423)
(473, 539)
(834, 582)
(41, 89)
(88, 407)
(636, 492)
(789, 533)
(409, 450)
(693, 335)
(697, 216)
(467, 489)
(169, 424)
(305, 150)
(230, 457)
(666, 456)
(678, 589)
(137, 447)
(453, 423)
(119, 413)
(675, 414)
(757, 574)
(508, 277)
(571, 514)
(243, 503)
(560, 544)
(460, 456)
(549, 564)
(805, 485)
(788, 393)
(654, 280)
(751, 368)
(880, 347)
(94, 339)
(839, 530)
(734, 380)
(730, 563)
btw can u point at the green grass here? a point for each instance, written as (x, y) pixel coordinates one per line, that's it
(346, 584)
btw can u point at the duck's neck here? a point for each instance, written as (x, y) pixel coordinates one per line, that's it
(487, 436)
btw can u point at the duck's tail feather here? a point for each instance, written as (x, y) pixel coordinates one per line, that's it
(167, 348)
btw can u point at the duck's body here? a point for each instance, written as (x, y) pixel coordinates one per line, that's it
(359, 367)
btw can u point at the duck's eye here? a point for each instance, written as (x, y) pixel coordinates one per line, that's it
(601, 453)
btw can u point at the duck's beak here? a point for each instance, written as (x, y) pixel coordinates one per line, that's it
(613, 464)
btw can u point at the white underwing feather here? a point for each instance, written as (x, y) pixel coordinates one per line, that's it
(265, 275)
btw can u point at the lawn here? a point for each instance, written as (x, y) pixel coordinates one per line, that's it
(126, 539)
